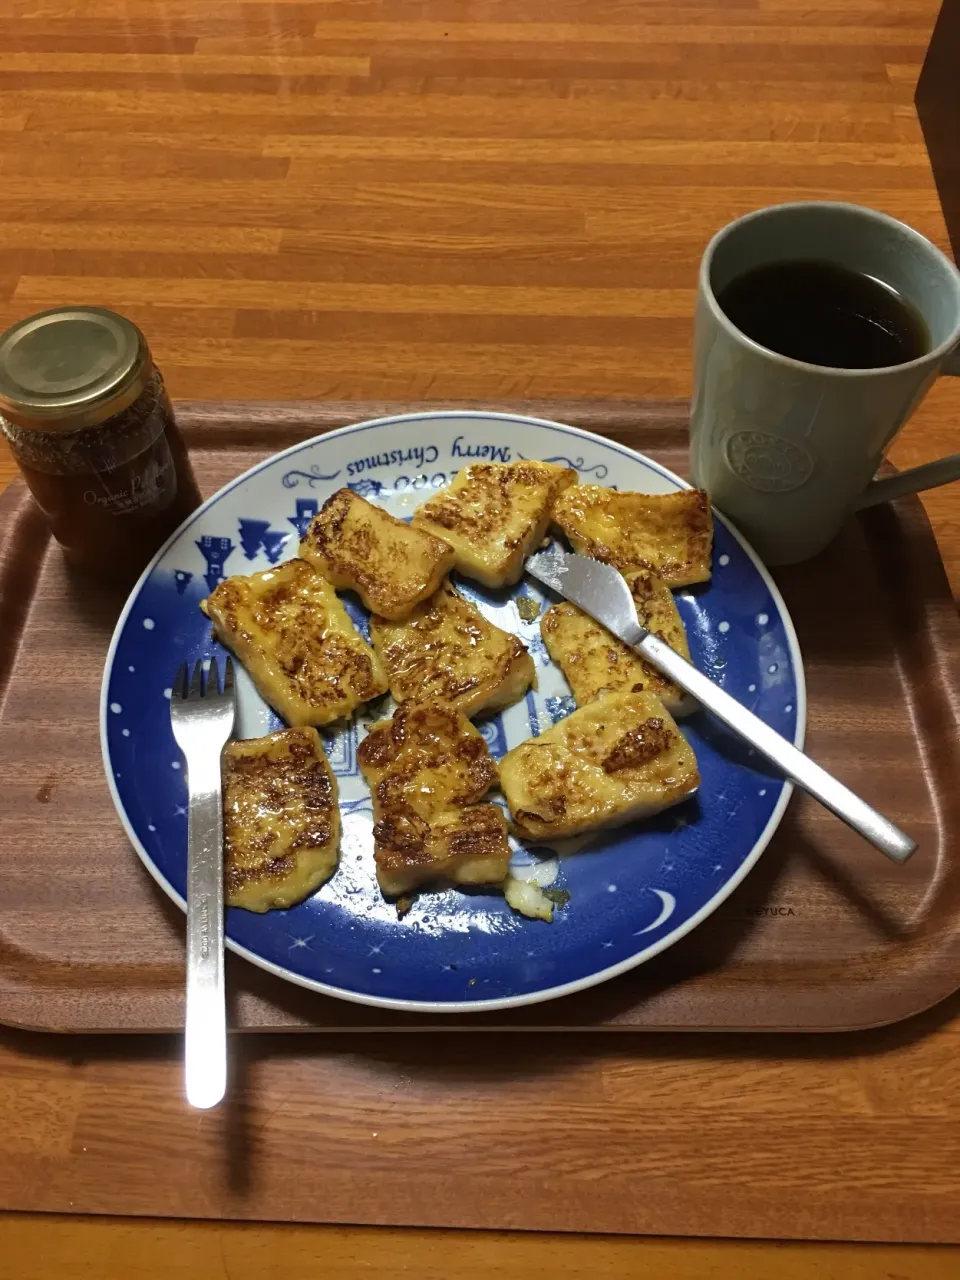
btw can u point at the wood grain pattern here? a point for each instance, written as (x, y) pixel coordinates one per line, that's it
(155, 142)
(81, 1249)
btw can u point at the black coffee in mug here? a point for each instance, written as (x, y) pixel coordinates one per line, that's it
(825, 314)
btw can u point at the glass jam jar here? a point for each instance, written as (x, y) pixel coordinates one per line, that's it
(86, 414)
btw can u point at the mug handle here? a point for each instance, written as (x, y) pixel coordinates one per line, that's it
(929, 476)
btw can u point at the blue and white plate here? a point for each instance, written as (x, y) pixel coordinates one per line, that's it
(633, 892)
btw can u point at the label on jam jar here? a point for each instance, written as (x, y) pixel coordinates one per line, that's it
(147, 481)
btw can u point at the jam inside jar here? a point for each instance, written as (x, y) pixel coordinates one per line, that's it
(112, 493)
(115, 488)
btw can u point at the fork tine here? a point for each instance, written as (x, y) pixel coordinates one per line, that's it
(228, 676)
(196, 684)
(180, 684)
(211, 685)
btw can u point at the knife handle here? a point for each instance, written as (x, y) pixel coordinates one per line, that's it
(806, 773)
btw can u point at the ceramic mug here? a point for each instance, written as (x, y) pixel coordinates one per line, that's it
(788, 449)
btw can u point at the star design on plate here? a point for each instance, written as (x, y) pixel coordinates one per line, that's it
(297, 944)
(180, 811)
(376, 951)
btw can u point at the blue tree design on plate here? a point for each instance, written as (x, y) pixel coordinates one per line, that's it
(273, 543)
(257, 536)
(307, 508)
(251, 536)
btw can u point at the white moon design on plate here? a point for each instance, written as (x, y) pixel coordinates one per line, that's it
(667, 906)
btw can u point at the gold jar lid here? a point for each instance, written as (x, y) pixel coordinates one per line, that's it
(71, 367)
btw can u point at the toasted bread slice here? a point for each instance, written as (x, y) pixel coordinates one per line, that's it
(618, 758)
(670, 533)
(281, 821)
(494, 515)
(293, 635)
(362, 548)
(595, 662)
(446, 650)
(427, 768)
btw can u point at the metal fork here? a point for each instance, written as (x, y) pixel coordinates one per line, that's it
(202, 718)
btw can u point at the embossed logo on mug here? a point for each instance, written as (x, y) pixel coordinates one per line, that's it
(766, 462)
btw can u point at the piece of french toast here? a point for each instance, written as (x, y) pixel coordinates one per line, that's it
(619, 758)
(594, 661)
(281, 820)
(360, 547)
(427, 768)
(293, 636)
(446, 650)
(494, 515)
(670, 533)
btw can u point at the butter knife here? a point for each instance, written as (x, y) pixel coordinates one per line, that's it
(601, 591)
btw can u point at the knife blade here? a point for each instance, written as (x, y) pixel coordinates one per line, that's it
(601, 591)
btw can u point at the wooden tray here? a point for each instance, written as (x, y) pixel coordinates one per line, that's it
(824, 935)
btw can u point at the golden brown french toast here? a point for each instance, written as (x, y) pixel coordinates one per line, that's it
(295, 639)
(427, 767)
(362, 548)
(670, 533)
(594, 661)
(446, 650)
(281, 821)
(494, 515)
(619, 758)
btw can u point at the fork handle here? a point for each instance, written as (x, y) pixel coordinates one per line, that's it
(205, 1049)
(832, 793)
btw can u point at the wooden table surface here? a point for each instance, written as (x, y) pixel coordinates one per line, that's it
(427, 198)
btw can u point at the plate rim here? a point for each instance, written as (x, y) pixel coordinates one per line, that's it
(501, 1002)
